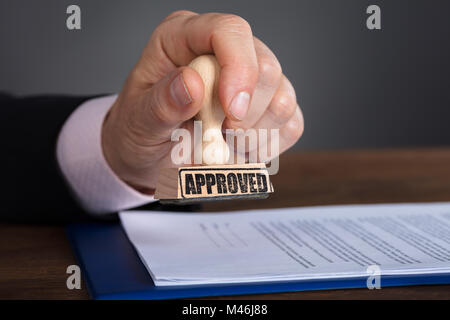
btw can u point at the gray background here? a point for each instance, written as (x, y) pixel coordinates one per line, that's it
(357, 88)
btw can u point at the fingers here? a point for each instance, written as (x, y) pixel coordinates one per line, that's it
(283, 114)
(171, 101)
(185, 35)
(252, 89)
(269, 79)
(289, 134)
(281, 108)
(279, 111)
(292, 131)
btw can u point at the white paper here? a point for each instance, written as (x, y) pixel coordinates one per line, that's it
(291, 244)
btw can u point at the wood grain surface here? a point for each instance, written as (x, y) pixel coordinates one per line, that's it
(33, 259)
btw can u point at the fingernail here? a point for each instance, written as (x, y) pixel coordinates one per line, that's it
(239, 105)
(179, 91)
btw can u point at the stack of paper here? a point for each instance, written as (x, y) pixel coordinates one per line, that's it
(291, 244)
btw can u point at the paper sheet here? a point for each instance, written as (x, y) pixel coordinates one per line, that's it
(291, 244)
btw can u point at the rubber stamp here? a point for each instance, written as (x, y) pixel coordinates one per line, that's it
(214, 179)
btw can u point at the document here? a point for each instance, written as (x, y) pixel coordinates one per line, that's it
(293, 244)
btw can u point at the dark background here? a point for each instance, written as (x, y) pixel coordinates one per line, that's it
(358, 88)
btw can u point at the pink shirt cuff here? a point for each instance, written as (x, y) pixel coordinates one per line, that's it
(79, 153)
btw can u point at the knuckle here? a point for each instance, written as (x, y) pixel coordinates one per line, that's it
(282, 107)
(269, 71)
(179, 13)
(295, 128)
(159, 31)
(233, 22)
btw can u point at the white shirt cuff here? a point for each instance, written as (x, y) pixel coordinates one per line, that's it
(79, 153)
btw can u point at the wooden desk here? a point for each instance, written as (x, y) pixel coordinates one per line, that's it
(33, 259)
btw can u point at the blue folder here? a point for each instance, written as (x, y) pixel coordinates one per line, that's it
(112, 269)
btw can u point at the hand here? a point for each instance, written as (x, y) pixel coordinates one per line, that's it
(162, 94)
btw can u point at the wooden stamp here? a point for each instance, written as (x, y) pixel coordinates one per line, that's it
(214, 179)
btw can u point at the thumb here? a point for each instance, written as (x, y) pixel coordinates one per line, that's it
(172, 100)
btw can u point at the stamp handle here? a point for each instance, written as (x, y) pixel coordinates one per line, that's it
(214, 148)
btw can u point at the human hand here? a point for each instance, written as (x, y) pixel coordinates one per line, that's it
(161, 94)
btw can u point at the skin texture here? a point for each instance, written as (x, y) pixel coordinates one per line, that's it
(162, 94)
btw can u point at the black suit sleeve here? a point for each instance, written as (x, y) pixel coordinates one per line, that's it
(32, 188)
